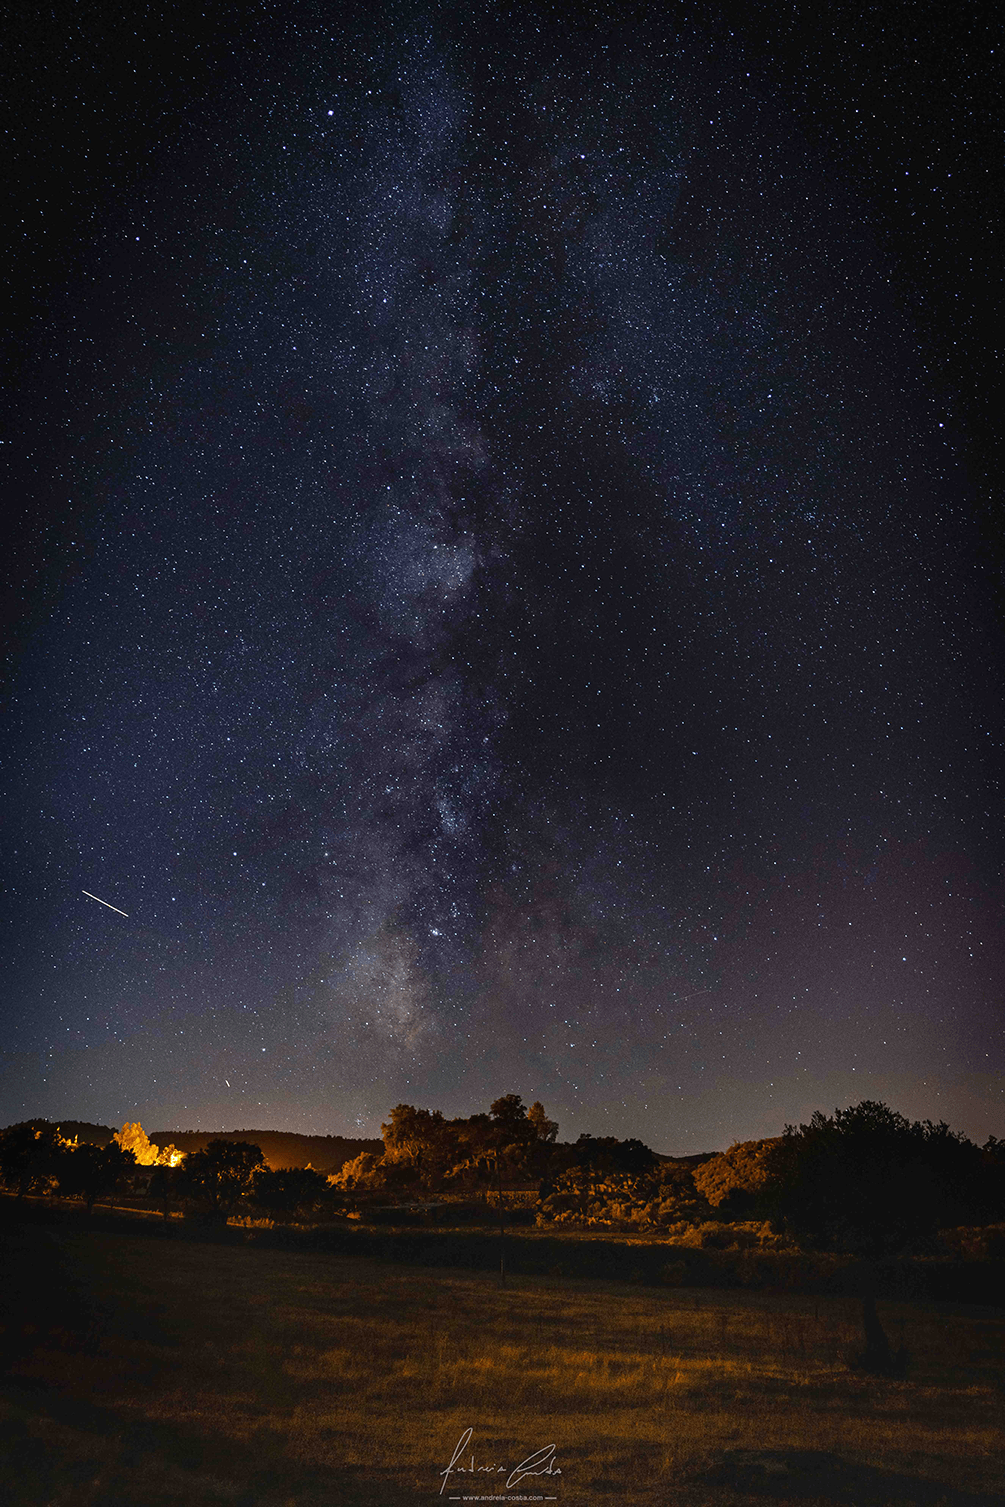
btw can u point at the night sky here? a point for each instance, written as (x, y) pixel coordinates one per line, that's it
(506, 589)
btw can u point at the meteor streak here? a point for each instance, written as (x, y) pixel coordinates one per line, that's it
(115, 908)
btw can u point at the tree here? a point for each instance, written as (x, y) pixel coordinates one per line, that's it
(869, 1182)
(92, 1172)
(167, 1186)
(417, 1137)
(510, 1140)
(219, 1177)
(289, 1191)
(510, 1114)
(607, 1154)
(474, 1139)
(470, 1158)
(545, 1130)
(992, 1180)
(366, 1173)
(521, 1139)
(29, 1156)
(135, 1139)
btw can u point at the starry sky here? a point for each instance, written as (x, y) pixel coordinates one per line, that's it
(506, 587)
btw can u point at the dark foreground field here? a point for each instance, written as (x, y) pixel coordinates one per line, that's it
(153, 1372)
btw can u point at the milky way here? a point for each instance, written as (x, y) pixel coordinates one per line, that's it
(505, 599)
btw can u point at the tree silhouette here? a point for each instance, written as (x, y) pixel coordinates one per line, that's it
(29, 1156)
(289, 1191)
(870, 1182)
(92, 1172)
(219, 1177)
(167, 1187)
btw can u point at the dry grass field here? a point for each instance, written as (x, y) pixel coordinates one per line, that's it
(158, 1372)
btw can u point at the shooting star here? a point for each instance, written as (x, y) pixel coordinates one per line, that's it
(115, 908)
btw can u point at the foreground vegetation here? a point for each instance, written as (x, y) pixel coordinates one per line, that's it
(178, 1372)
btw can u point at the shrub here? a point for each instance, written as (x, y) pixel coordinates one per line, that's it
(737, 1179)
(974, 1243)
(365, 1173)
(290, 1192)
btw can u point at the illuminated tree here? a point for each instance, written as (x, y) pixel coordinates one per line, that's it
(364, 1172)
(510, 1140)
(135, 1139)
(545, 1130)
(417, 1137)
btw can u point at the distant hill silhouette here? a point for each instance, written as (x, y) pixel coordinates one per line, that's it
(694, 1160)
(281, 1148)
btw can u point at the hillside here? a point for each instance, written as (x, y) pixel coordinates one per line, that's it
(281, 1148)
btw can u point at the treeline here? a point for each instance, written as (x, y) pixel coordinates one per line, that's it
(864, 1181)
(280, 1148)
(214, 1183)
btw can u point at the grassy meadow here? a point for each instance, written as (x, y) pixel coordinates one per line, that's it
(173, 1371)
